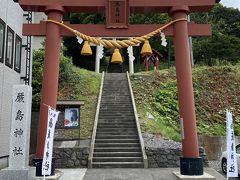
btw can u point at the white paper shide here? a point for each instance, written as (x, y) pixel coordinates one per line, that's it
(232, 169)
(48, 148)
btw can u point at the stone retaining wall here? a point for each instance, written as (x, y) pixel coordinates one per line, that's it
(165, 153)
(70, 157)
(160, 153)
(70, 154)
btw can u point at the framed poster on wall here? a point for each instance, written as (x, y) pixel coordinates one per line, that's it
(71, 118)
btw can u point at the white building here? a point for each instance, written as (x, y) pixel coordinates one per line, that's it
(37, 41)
(12, 67)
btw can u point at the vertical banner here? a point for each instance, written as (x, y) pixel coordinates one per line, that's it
(232, 169)
(48, 148)
(20, 127)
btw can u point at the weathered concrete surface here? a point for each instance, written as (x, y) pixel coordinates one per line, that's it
(140, 174)
(205, 176)
(215, 145)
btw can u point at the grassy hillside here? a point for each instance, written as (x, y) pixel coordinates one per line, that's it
(82, 85)
(74, 84)
(215, 88)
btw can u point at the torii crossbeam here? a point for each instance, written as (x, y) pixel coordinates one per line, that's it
(190, 163)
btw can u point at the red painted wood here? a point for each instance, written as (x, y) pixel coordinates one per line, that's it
(50, 77)
(136, 6)
(184, 84)
(99, 30)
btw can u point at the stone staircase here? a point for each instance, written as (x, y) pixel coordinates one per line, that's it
(117, 143)
(115, 68)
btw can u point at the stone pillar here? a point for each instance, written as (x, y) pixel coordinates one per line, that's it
(50, 73)
(99, 56)
(190, 163)
(131, 59)
(20, 134)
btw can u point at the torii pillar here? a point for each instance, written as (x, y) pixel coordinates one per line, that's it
(50, 73)
(190, 163)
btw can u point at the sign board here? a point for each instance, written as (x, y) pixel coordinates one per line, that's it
(71, 118)
(232, 169)
(20, 127)
(117, 13)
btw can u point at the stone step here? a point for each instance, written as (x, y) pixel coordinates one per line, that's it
(117, 165)
(120, 90)
(116, 117)
(115, 110)
(116, 126)
(117, 137)
(117, 154)
(117, 149)
(117, 159)
(117, 145)
(117, 86)
(116, 107)
(116, 98)
(116, 114)
(116, 101)
(116, 133)
(116, 95)
(117, 141)
(125, 130)
(116, 121)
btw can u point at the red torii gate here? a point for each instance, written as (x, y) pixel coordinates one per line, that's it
(191, 164)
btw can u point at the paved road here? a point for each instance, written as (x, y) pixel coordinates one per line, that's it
(140, 174)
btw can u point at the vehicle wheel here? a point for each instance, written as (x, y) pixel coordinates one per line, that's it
(224, 165)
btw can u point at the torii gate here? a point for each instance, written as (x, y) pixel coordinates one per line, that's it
(190, 163)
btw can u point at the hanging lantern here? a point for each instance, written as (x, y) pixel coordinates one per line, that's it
(146, 49)
(86, 49)
(116, 57)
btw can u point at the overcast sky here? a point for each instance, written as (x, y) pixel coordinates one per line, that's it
(231, 3)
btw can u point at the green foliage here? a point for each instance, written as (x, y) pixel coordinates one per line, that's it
(37, 74)
(223, 46)
(74, 84)
(215, 89)
(73, 48)
(166, 102)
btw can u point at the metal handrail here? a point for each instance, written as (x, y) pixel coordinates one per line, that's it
(95, 124)
(145, 161)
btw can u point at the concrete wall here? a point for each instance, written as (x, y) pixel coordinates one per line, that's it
(37, 41)
(215, 145)
(12, 15)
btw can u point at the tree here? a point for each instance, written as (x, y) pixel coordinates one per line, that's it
(223, 46)
(37, 74)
